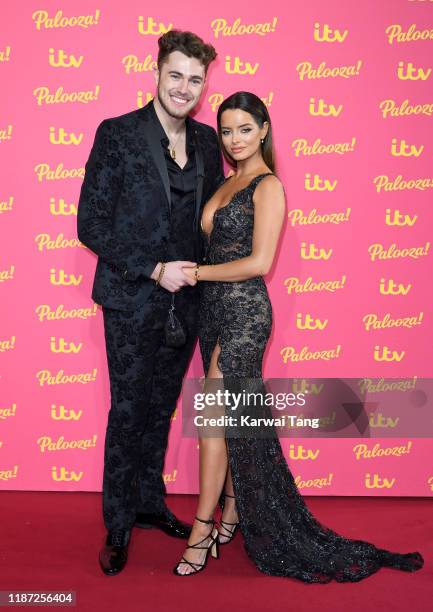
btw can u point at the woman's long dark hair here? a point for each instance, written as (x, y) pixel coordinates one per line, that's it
(250, 103)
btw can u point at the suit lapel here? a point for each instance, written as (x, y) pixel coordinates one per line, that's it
(200, 177)
(152, 137)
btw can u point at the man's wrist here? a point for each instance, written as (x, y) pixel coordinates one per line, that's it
(161, 273)
(156, 271)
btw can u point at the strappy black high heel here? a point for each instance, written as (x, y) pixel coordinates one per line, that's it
(230, 532)
(212, 547)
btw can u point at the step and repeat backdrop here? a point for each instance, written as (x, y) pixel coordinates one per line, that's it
(349, 89)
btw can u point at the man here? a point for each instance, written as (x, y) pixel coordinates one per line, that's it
(148, 175)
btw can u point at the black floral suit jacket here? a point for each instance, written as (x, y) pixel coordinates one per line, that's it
(124, 205)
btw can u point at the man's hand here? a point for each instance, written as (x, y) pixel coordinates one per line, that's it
(174, 278)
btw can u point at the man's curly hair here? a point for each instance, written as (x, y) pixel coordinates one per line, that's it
(187, 43)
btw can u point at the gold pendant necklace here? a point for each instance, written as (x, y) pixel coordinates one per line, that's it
(172, 150)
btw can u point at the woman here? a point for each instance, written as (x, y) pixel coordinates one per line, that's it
(241, 225)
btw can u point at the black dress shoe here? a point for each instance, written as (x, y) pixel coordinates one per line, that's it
(166, 521)
(114, 554)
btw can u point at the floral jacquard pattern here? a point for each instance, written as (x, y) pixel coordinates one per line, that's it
(145, 381)
(123, 212)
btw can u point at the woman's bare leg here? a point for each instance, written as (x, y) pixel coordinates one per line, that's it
(229, 513)
(212, 475)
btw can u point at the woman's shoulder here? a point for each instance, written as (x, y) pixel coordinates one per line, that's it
(268, 184)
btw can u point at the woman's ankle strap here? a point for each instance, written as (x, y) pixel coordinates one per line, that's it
(209, 522)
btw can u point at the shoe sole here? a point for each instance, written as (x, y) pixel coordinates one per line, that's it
(111, 573)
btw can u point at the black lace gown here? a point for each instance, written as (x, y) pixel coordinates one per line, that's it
(280, 534)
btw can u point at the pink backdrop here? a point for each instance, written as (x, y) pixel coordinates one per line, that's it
(352, 76)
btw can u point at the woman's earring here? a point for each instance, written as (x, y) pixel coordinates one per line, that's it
(262, 140)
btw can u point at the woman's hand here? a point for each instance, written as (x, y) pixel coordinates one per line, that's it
(190, 273)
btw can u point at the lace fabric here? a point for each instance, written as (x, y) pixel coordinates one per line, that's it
(281, 536)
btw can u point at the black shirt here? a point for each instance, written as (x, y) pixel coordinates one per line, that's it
(183, 183)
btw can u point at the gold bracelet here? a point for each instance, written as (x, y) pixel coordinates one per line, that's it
(196, 276)
(161, 272)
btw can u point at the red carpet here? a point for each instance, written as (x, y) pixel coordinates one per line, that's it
(50, 541)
